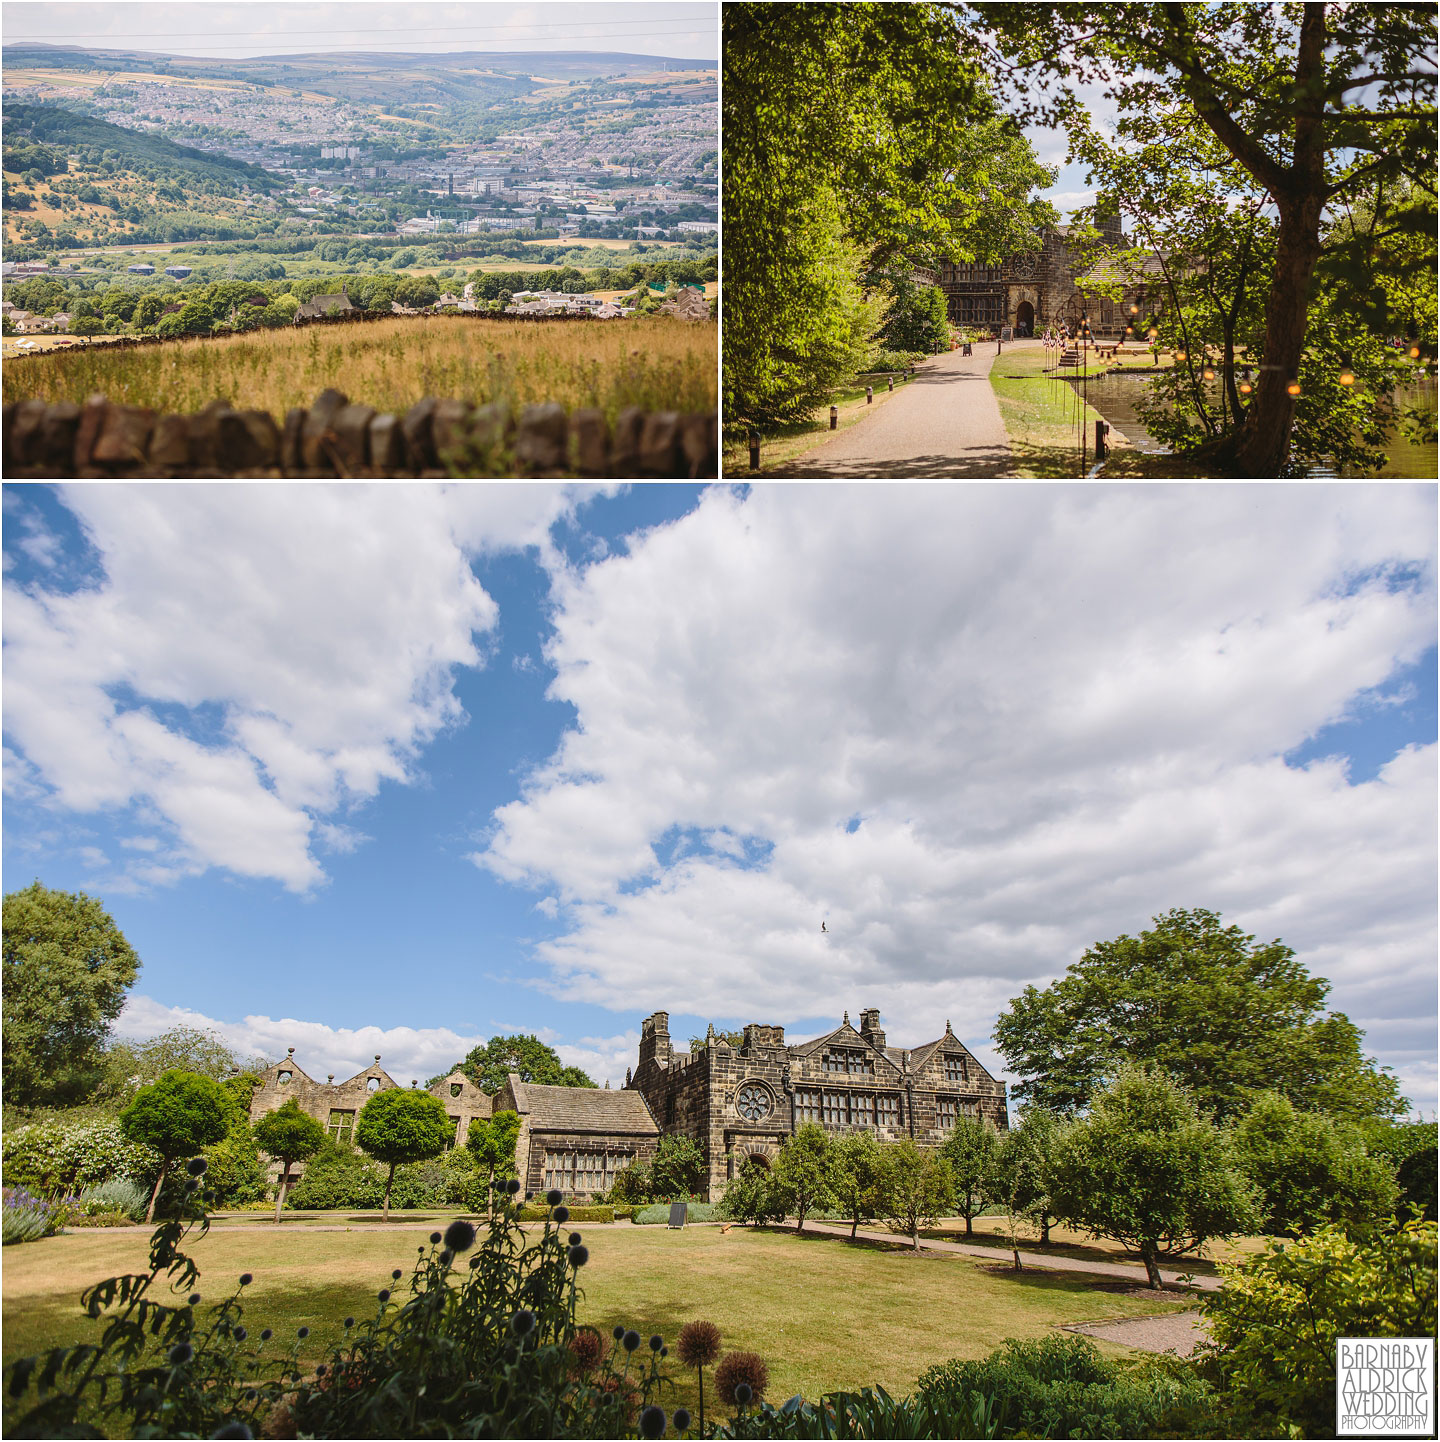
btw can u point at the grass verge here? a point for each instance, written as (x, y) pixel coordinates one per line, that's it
(787, 443)
(788, 1297)
(656, 362)
(1043, 415)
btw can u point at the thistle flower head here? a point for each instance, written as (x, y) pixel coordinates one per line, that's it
(681, 1419)
(246, 1279)
(741, 1370)
(562, 1215)
(194, 1299)
(630, 1341)
(513, 1185)
(434, 1238)
(233, 1428)
(181, 1353)
(554, 1198)
(523, 1322)
(266, 1335)
(578, 1256)
(240, 1334)
(196, 1166)
(656, 1342)
(652, 1422)
(302, 1333)
(698, 1344)
(574, 1239)
(618, 1332)
(459, 1236)
(395, 1275)
(384, 1294)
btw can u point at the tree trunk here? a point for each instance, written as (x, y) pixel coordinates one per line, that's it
(854, 1227)
(280, 1193)
(915, 1237)
(1045, 1229)
(969, 1225)
(1152, 1266)
(389, 1182)
(155, 1195)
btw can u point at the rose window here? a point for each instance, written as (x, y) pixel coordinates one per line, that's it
(752, 1102)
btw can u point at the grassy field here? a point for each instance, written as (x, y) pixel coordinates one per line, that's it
(788, 443)
(652, 361)
(791, 1298)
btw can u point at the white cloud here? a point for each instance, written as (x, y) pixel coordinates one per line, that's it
(1060, 710)
(254, 658)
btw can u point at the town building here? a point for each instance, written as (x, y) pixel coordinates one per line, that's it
(321, 305)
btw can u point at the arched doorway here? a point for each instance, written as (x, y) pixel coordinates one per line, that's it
(760, 1160)
(1024, 318)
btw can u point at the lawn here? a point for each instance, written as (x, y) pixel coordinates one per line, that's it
(783, 444)
(1043, 415)
(656, 362)
(825, 1313)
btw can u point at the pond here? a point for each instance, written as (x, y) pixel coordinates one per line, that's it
(1116, 396)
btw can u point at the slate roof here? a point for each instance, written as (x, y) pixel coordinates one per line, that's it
(325, 304)
(846, 1035)
(583, 1109)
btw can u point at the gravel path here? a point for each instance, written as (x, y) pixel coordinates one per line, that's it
(1177, 1332)
(944, 423)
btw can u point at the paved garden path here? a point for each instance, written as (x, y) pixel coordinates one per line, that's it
(944, 423)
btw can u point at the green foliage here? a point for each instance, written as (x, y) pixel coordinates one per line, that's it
(857, 1176)
(66, 970)
(1275, 1322)
(1145, 1168)
(536, 1213)
(527, 1056)
(55, 1157)
(916, 320)
(916, 1188)
(631, 1184)
(484, 1344)
(338, 1178)
(289, 1134)
(750, 1197)
(678, 1170)
(130, 1065)
(490, 1143)
(1061, 1386)
(800, 1175)
(402, 1126)
(1222, 1014)
(1311, 1169)
(177, 1116)
(119, 1194)
(969, 1151)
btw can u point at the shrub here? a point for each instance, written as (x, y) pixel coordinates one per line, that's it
(537, 1213)
(338, 1178)
(120, 1194)
(1275, 1322)
(483, 1344)
(1058, 1386)
(101, 1219)
(27, 1217)
(53, 1157)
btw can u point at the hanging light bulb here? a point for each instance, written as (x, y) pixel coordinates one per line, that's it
(1153, 333)
(1129, 330)
(1415, 350)
(1245, 386)
(1347, 375)
(1292, 387)
(1179, 356)
(1209, 371)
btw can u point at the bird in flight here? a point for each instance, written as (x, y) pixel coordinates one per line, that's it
(824, 928)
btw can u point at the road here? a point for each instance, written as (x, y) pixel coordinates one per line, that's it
(944, 423)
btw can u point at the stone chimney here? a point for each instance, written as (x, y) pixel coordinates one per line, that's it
(870, 1028)
(655, 1039)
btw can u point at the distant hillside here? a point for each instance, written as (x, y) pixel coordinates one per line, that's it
(74, 180)
(371, 77)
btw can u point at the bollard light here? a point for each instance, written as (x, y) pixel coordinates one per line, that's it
(869, 395)
(834, 417)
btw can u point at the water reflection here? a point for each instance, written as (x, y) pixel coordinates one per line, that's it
(1116, 396)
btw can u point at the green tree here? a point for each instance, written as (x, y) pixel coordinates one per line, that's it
(916, 1190)
(800, 1175)
(969, 1151)
(148, 309)
(1275, 1323)
(397, 1126)
(857, 1176)
(858, 138)
(67, 967)
(1316, 102)
(1146, 1169)
(132, 1064)
(1019, 1177)
(1222, 1014)
(678, 1170)
(177, 1116)
(751, 1196)
(1311, 1169)
(916, 320)
(527, 1056)
(491, 1141)
(291, 1136)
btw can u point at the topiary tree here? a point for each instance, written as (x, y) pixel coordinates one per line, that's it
(1148, 1170)
(402, 1126)
(176, 1116)
(916, 1189)
(491, 1141)
(800, 1176)
(291, 1136)
(969, 1152)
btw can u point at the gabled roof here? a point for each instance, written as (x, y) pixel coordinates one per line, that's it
(375, 1070)
(845, 1035)
(583, 1109)
(291, 1065)
(468, 1090)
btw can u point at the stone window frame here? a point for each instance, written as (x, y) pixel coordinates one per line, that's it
(338, 1129)
(889, 1111)
(563, 1170)
(761, 1092)
(372, 1084)
(847, 1061)
(947, 1109)
(807, 1106)
(284, 1078)
(955, 1068)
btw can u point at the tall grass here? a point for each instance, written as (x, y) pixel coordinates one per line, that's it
(655, 362)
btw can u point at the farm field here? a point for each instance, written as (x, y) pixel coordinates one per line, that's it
(791, 1298)
(655, 362)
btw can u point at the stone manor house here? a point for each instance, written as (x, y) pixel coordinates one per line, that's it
(737, 1103)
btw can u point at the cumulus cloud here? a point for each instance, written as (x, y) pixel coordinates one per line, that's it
(1055, 712)
(405, 1052)
(251, 659)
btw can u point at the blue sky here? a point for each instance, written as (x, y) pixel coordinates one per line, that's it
(397, 768)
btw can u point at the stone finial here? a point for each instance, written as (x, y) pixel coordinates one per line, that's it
(607, 1083)
(331, 1079)
(905, 1061)
(291, 1050)
(846, 1022)
(948, 1032)
(377, 1056)
(627, 1076)
(414, 1082)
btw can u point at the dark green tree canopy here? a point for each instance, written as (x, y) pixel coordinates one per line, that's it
(1225, 1015)
(525, 1055)
(178, 1115)
(397, 1125)
(67, 967)
(289, 1134)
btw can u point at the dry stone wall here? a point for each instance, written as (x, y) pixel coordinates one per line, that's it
(336, 437)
